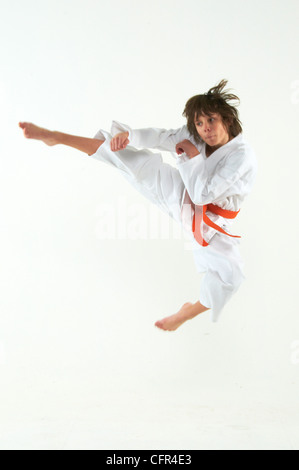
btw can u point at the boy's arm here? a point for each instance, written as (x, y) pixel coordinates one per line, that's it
(154, 138)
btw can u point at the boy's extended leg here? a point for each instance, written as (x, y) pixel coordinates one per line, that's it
(159, 182)
(84, 144)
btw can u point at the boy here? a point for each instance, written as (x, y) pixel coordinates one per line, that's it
(216, 169)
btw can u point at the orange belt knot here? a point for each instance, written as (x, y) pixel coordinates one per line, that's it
(200, 215)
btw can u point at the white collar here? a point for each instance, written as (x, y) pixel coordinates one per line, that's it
(230, 144)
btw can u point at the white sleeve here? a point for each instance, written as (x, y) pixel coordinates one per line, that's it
(229, 177)
(154, 138)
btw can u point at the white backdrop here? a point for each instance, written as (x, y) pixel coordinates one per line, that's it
(81, 363)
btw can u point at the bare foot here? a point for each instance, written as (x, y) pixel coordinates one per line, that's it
(172, 322)
(31, 131)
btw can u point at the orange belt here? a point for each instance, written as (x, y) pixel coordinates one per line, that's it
(200, 215)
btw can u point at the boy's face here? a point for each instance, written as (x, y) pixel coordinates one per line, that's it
(212, 130)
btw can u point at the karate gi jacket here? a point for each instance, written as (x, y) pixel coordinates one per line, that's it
(224, 178)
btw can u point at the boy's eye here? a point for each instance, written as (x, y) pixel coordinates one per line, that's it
(200, 123)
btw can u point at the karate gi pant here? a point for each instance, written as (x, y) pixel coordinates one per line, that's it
(162, 184)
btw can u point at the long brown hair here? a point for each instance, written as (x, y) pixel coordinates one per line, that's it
(214, 101)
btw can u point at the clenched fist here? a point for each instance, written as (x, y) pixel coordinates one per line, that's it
(119, 141)
(186, 147)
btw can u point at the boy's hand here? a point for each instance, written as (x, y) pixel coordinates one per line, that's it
(119, 141)
(186, 147)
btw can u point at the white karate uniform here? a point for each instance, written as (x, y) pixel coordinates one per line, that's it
(224, 179)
